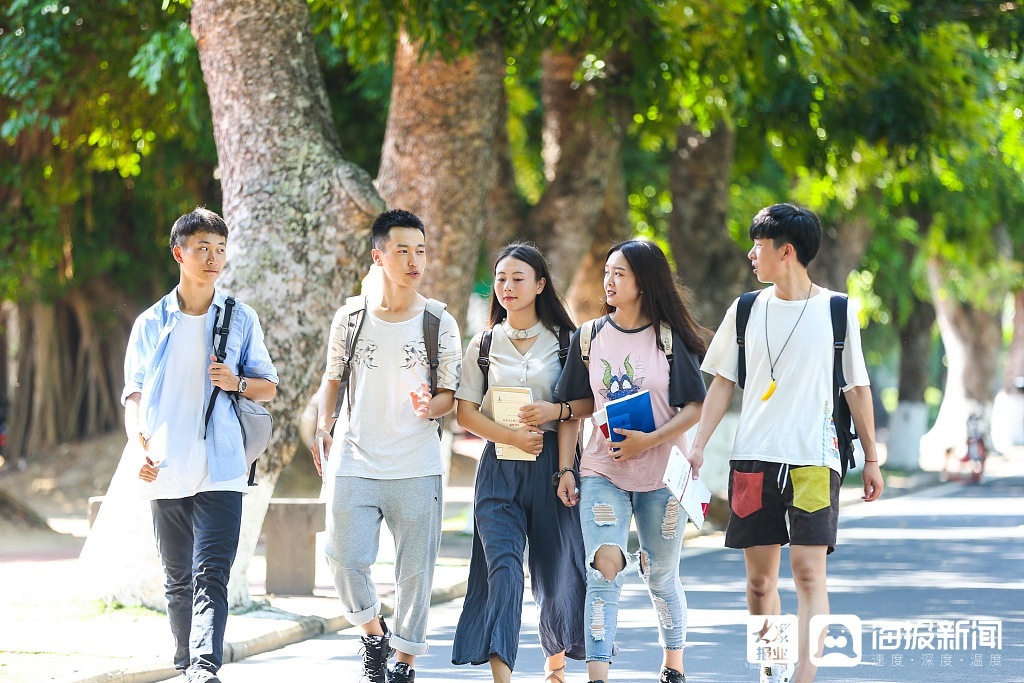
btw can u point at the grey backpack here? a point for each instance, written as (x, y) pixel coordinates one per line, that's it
(256, 421)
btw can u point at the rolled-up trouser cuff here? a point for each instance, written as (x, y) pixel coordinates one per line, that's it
(363, 616)
(408, 647)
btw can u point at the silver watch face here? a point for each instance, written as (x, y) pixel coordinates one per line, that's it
(242, 385)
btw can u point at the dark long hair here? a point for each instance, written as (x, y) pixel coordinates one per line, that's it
(662, 299)
(550, 306)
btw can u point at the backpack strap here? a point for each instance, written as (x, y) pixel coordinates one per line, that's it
(743, 306)
(841, 412)
(564, 341)
(431, 338)
(837, 307)
(356, 316)
(220, 345)
(483, 360)
(588, 331)
(666, 341)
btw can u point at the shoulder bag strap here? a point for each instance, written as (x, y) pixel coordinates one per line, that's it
(355, 325)
(431, 339)
(564, 341)
(220, 345)
(746, 302)
(483, 360)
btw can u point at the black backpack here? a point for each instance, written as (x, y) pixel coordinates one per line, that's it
(841, 411)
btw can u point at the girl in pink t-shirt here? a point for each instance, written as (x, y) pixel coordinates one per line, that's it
(622, 479)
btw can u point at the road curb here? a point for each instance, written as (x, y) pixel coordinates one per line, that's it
(303, 628)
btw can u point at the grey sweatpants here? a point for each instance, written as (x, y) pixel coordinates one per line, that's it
(412, 510)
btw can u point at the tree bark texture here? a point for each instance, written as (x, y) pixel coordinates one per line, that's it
(972, 337)
(915, 352)
(842, 248)
(582, 136)
(707, 259)
(910, 420)
(586, 293)
(438, 157)
(1015, 358)
(298, 212)
(506, 209)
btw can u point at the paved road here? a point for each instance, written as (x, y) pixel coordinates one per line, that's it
(952, 554)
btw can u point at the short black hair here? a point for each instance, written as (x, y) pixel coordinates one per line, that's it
(789, 224)
(393, 218)
(195, 222)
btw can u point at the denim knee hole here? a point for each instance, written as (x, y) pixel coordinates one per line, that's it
(671, 520)
(597, 623)
(604, 514)
(661, 607)
(598, 574)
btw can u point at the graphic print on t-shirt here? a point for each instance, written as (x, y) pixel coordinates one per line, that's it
(363, 355)
(627, 382)
(830, 439)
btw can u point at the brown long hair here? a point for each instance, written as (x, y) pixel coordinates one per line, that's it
(550, 306)
(662, 299)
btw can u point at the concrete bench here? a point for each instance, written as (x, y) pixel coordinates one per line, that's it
(290, 529)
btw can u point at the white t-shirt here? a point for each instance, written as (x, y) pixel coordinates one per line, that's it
(384, 439)
(795, 425)
(177, 440)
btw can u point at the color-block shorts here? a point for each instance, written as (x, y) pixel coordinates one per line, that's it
(775, 504)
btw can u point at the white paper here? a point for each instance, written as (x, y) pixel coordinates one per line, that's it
(692, 494)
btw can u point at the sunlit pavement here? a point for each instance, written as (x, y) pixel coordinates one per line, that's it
(908, 567)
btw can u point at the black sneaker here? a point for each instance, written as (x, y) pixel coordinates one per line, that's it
(670, 676)
(402, 673)
(376, 650)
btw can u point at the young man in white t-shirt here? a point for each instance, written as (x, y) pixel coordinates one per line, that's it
(785, 461)
(386, 462)
(193, 461)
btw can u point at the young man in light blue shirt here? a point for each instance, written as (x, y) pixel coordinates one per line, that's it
(195, 471)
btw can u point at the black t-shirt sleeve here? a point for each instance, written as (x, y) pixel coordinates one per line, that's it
(574, 382)
(685, 385)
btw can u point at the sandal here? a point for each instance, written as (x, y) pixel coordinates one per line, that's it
(554, 677)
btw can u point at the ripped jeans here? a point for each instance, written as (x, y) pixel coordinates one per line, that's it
(605, 513)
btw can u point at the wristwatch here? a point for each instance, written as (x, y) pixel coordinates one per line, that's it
(242, 385)
(558, 475)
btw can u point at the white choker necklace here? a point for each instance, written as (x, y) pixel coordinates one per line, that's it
(528, 333)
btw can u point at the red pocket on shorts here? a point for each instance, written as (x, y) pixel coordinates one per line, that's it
(745, 497)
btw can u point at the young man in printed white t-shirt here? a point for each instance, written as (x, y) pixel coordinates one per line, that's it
(387, 460)
(785, 460)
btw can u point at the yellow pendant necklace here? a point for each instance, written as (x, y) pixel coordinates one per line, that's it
(771, 387)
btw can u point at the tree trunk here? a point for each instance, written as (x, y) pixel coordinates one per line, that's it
(910, 421)
(506, 210)
(438, 157)
(581, 142)
(842, 248)
(299, 213)
(1008, 409)
(708, 260)
(586, 294)
(972, 337)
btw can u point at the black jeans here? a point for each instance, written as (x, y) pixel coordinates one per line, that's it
(197, 538)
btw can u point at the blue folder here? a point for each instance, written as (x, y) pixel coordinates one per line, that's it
(630, 412)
